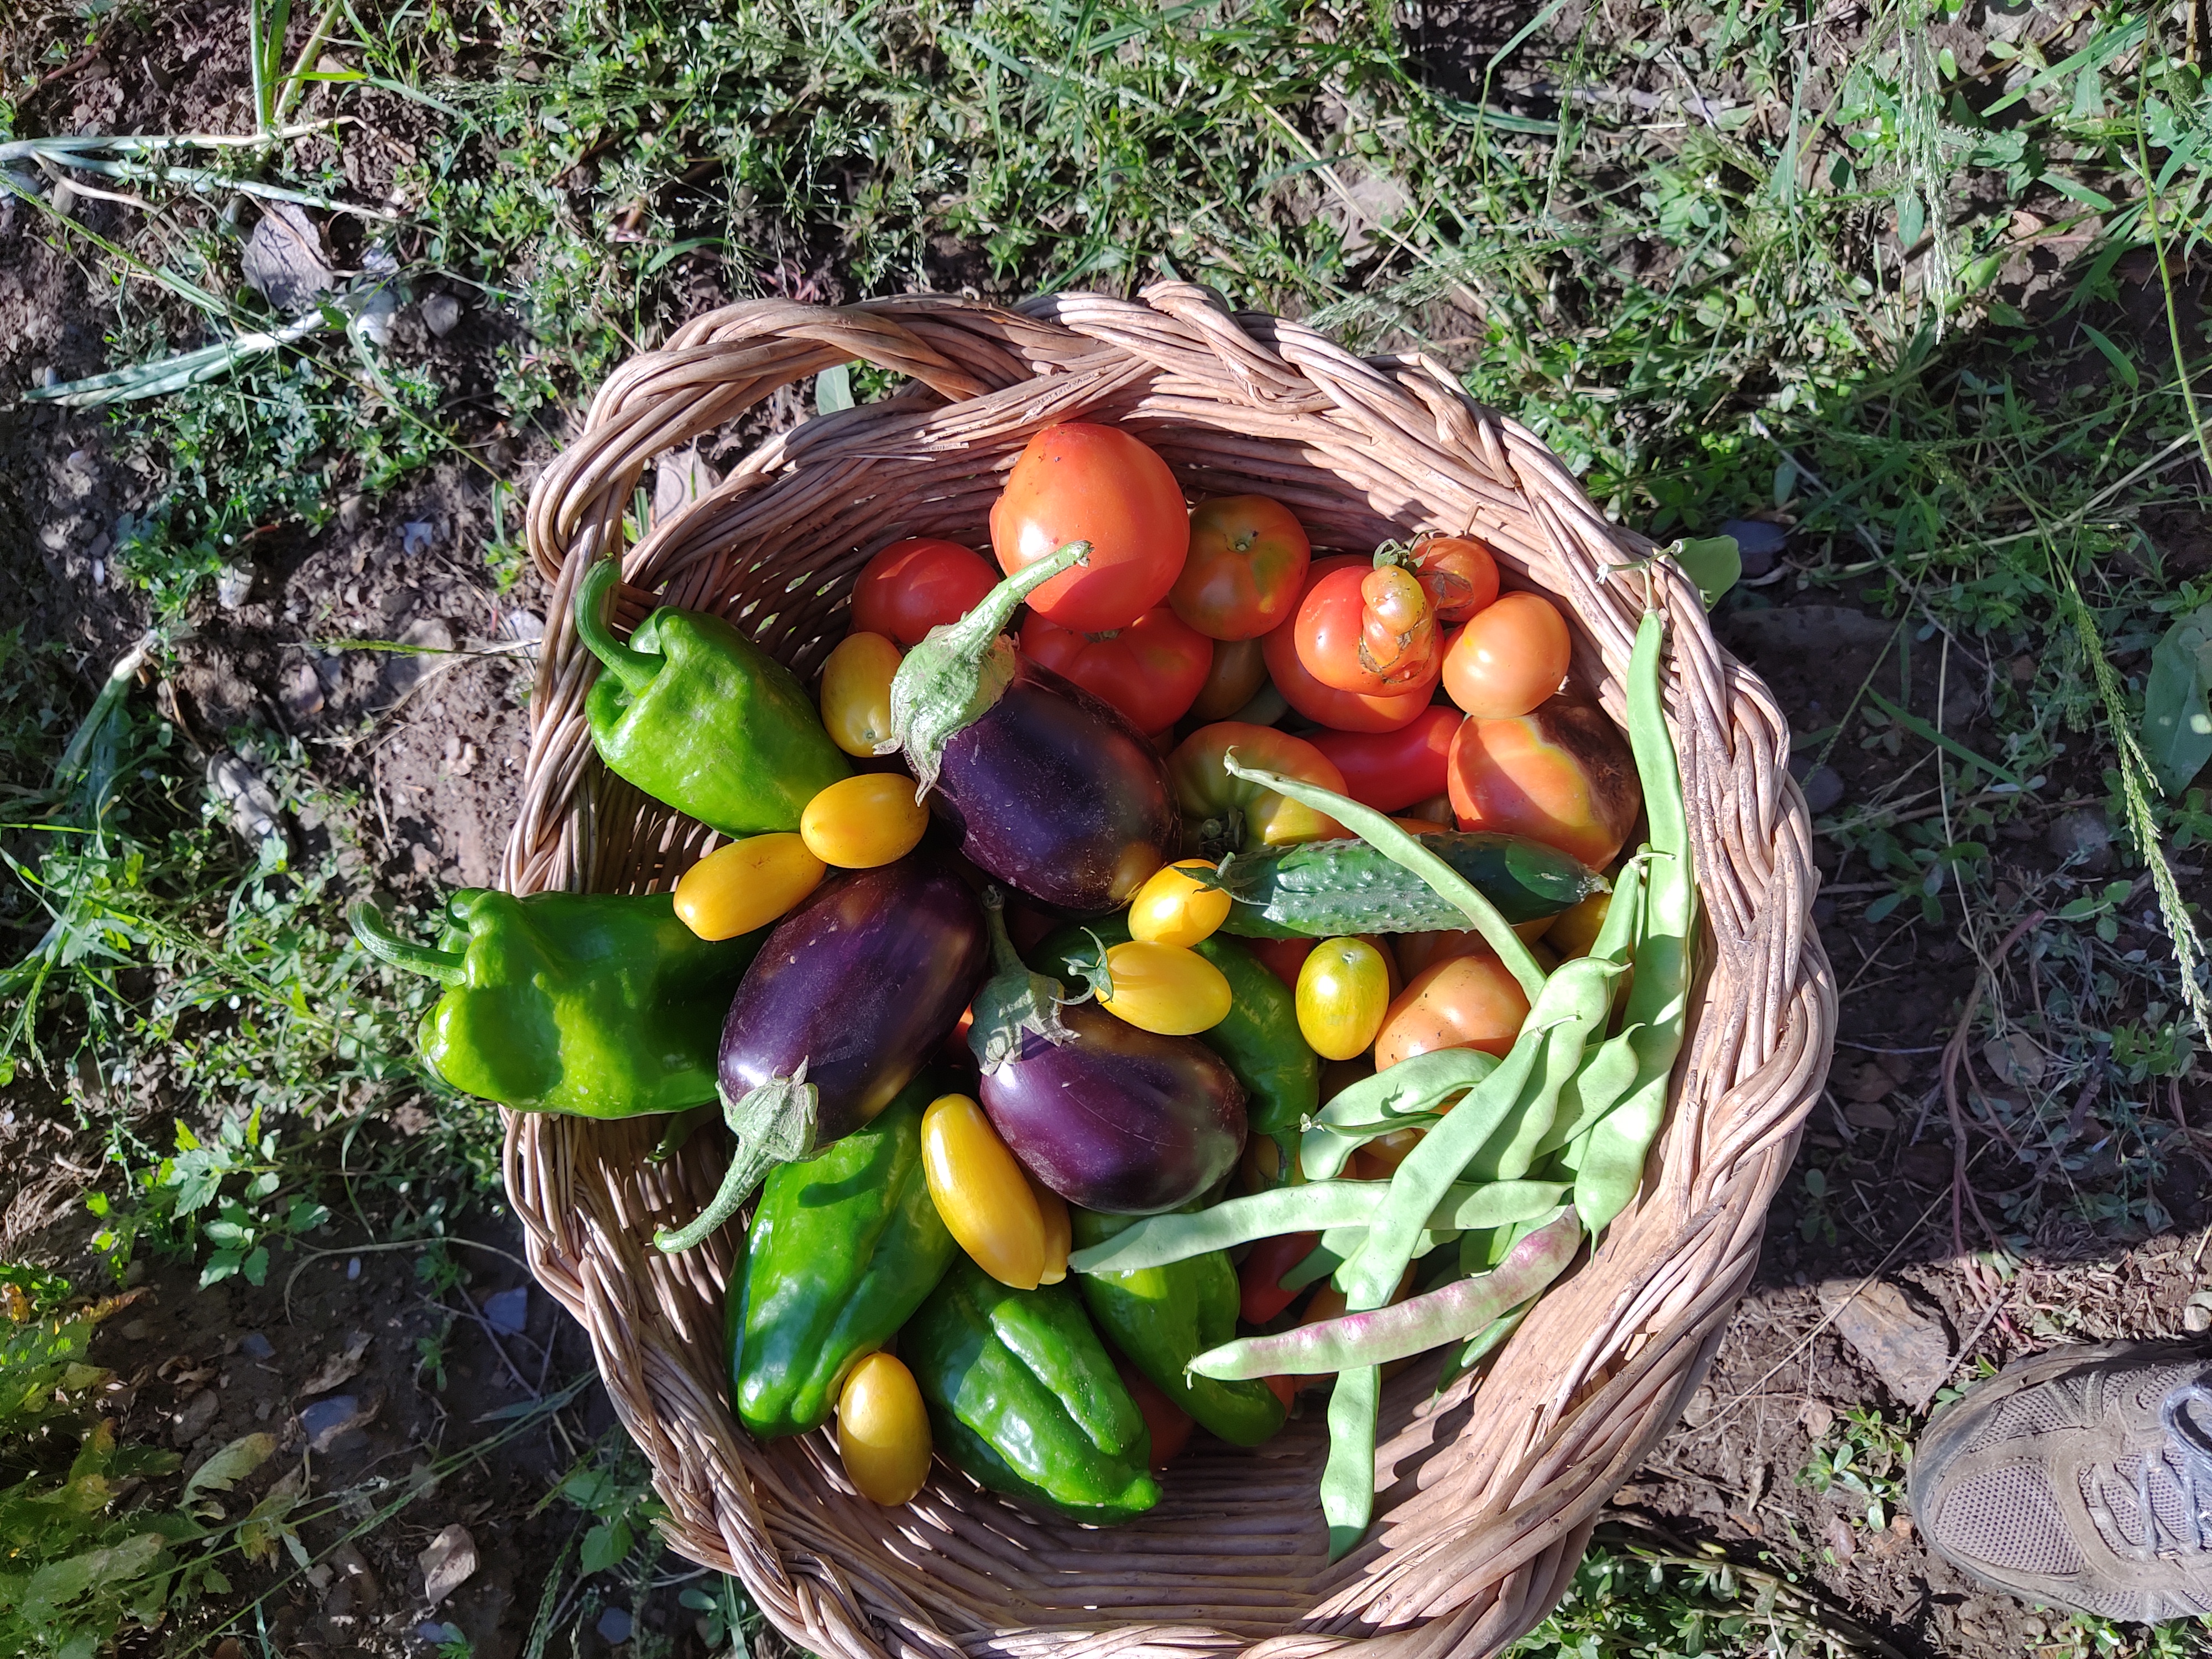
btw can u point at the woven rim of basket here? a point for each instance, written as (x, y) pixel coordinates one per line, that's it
(1485, 1499)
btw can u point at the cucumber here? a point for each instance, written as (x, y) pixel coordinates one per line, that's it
(1325, 888)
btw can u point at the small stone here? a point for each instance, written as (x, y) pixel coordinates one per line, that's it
(326, 1420)
(1909, 1349)
(1757, 542)
(508, 1312)
(233, 585)
(193, 1419)
(1824, 789)
(134, 1330)
(254, 1346)
(1867, 1082)
(302, 691)
(614, 1626)
(441, 315)
(348, 1560)
(349, 512)
(2197, 1317)
(447, 1563)
(1817, 1417)
(526, 626)
(2015, 1058)
(352, 1267)
(2082, 837)
(2022, 670)
(321, 1575)
(1871, 1116)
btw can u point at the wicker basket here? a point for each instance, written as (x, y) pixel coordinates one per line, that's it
(1485, 1498)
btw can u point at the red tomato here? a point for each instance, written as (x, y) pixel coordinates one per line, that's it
(1151, 670)
(1098, 485)
(1168, 1423)
(1508, 658)
(1458, 575)
(912, 586)
(1562, 775)
(1246, 568)
(1388, 770)
(1368, 629)
(1260, 1278)
(1340, 711)
(1462, 1002)
(1282, 958)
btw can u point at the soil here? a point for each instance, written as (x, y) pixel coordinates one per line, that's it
(432, 745)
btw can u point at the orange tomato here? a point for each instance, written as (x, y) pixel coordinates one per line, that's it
(1462, 1002)
(1508, 658)
(1078, 482)
(1458, 574)
(1562, 775)
(1233, 679)
(1247, 567)
(1339, 711)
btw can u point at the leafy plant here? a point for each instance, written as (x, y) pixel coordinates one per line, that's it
(1865, 1455)
(2177, 724)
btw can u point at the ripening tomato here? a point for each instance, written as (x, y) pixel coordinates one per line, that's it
(1343, 991)
(883, 1430)
(1260, 1293)
(1390, 770)
(1246, 568)
(1167, 1424)
(1562, 775)
(912, 586)
(1223, 812)
(1339, 711)
(1238, 670)
(1457, 573)
(1150, 671)
(1368, 629)
(1462, 1002)
(1508, 658)
(1078, 482)
(1574, 930)
(1283, 957)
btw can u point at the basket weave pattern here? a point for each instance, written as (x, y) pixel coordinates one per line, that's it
(1486, 1495)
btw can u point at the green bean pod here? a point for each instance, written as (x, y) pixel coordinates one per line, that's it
(1611, 1166)
(1401, 1097)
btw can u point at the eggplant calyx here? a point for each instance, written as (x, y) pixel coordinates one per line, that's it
(952, 679)
(775, 1123)
(1015, 1003)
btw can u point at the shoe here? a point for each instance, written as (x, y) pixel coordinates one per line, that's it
(2080, 1478)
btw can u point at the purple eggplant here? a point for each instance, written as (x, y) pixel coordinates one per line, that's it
(1050, 790)
(850, 994)
(1111, 1117)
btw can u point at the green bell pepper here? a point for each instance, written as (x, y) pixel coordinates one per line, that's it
(603, 1005)
(1023, 1396)
(843, 1248)
(1259, 1041)
(702, 719)
(1165, 1317)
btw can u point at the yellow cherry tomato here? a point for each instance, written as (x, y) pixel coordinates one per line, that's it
(856, 692)
(867, 819)
(1058, 1232)
(1174, 907)
(1344, 991)
(883, 1430)
(1164, 989)
(1574, 930)
(982, 1194)
(746, 884)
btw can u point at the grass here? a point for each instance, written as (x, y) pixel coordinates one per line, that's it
(1928, 311)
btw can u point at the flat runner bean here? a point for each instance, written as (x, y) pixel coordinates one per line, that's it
(1412, 1327)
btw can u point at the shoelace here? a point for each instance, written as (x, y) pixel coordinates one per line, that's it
(2189, 1435)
